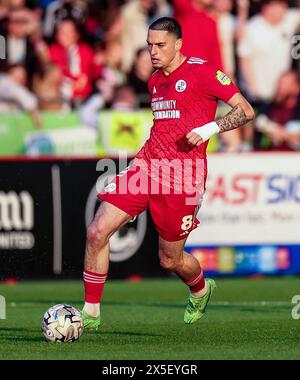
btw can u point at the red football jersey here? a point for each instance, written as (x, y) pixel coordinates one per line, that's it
(183, 100)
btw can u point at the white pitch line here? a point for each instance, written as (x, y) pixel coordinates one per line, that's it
(253, 303)
(218, 303)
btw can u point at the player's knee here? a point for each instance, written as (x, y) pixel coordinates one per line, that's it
(168, 263)
(97, 234)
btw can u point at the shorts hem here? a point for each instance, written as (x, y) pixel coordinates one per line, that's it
(174, 239)
(196, 225)
(116, 204)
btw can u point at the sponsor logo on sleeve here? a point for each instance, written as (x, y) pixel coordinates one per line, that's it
(223, 78)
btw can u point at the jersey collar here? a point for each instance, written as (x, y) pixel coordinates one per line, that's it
(177, 68)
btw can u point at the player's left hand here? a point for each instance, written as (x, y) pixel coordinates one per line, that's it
(194, 139)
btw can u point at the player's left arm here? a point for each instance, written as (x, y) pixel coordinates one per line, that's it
(240, 114)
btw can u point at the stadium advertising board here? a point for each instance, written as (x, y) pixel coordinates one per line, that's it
(26, 225)
(46, 206)
(251, 214)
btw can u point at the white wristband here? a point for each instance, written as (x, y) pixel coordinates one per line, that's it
(207, 130)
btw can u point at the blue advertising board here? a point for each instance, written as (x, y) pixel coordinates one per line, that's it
(248, 260)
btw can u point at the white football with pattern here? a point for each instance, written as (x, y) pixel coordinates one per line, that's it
(62, 323)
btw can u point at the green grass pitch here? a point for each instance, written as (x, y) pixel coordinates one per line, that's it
(246, 319)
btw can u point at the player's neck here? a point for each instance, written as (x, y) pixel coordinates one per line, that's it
(177, 61)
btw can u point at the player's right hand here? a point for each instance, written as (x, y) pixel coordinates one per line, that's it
(194, 139)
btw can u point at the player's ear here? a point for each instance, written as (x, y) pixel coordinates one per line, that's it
(178, 44)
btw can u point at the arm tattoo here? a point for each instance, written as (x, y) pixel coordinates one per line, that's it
(234, 119)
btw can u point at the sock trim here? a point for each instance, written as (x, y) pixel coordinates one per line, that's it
(95, 278)
(194, 280)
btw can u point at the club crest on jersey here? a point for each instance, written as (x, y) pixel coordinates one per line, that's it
(180, 85)
(154, 90)
(223, 78)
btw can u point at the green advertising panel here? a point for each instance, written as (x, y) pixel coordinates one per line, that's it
(124, 131)
(14, 127)
(62, 134)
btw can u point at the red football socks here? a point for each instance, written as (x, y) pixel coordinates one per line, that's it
(197, 283)
(93, 286)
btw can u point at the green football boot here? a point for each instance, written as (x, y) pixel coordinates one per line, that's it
(196, 306)
(90, 323)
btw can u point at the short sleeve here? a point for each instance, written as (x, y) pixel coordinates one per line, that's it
(218, 85)
(22, 96)
(293, 19)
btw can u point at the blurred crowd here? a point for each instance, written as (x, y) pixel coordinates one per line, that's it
(91, 54)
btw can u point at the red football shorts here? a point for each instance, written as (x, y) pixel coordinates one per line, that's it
(174, 215)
